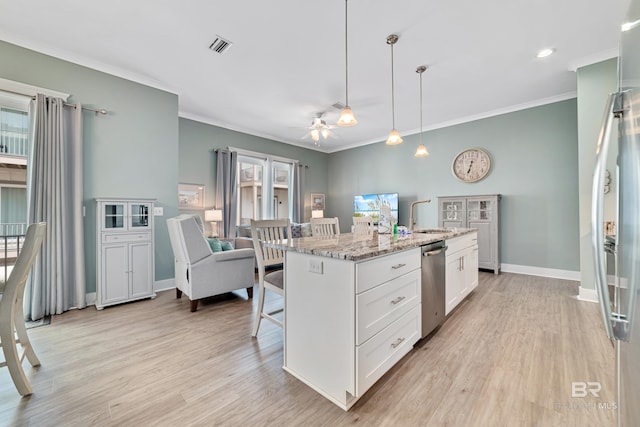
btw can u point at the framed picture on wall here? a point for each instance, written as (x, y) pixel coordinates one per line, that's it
(317, 202)
(190, 196)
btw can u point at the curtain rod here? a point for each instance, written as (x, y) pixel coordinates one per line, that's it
(230, 149)
(66, 104)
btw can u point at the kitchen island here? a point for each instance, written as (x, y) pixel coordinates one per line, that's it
(352, 307)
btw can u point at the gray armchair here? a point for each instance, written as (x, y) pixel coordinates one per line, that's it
(200, 273)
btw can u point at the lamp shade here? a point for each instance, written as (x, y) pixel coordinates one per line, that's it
(421, 151)
(213, 215)
(394, 138)
(347, 118)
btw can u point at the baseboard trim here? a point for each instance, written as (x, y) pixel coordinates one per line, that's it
(539, 271)
(588, 295)
(164, 285)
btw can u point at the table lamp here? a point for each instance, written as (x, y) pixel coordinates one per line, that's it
(213, 216)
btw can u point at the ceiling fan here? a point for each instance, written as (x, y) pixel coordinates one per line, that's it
(319, 128)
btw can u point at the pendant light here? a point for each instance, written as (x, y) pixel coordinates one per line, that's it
(422, 150)
(347, 117)
(394, 136)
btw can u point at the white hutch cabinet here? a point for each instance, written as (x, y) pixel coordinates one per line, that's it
(480, 212)
(125, 251)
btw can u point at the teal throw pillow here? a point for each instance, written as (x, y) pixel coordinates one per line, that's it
(216, 245)
(226, 246)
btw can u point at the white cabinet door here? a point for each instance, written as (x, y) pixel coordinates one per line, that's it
(462, 269)
(452, 282)
(115, 274)
(471, 273)
(140, 269)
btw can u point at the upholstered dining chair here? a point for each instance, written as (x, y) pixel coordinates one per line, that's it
(362, 225)
(325, 226)
(12, 312)
(269, 259)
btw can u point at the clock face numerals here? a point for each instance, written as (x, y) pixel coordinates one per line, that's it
(471, 165)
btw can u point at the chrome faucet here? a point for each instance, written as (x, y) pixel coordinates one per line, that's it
(412, 221)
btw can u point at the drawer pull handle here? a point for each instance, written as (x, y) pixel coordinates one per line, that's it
(397, 342)
(397, 266)
(397, 300)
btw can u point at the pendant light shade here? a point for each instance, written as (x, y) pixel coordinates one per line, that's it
(394, 137)
(347, 118)
(422, 150)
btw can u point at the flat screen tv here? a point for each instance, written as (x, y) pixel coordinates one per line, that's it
(369, 205)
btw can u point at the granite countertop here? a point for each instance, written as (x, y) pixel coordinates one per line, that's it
(351, 247)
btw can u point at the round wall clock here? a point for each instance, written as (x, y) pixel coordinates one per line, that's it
(471, 165)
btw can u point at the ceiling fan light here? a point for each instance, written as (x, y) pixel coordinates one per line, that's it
(394, 138)
(315, 135)
(325, 133)
(347, 118)
(421, 151)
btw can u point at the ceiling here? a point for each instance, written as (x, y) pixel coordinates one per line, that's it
(287, 60)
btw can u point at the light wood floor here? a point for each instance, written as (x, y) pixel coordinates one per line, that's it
(506, 357)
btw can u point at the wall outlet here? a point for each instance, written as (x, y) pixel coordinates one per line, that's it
(315, 266)
(158, 211)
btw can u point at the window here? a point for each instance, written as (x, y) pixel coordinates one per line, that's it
(14, 145)
(263, 187)
(14, 132)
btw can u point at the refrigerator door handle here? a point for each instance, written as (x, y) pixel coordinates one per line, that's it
(597, 214)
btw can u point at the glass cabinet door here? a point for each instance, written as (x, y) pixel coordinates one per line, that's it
(113, 215)
(139, 214)
(479, 210)
(452, 211)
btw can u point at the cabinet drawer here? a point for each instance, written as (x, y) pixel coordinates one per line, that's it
(380, 353)
(377, 271)
(458, 243)
(125, 237)
(380, 306)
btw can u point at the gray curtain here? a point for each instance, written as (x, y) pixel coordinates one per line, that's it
(54, 192)
(299, 184)
(227, 190)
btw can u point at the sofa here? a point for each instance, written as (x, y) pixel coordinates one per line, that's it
(201, 273)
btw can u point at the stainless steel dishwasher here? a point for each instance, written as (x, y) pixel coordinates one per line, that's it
(433, 274)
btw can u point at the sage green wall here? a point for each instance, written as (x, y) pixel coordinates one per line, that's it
(534, 166)
(595, 83)
(198, 166)
(131, 152)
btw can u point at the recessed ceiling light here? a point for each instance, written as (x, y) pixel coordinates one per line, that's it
(545, 52)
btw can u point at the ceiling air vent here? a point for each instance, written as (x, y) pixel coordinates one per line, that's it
(220, 45)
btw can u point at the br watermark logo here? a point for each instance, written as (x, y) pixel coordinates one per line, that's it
(584, 395)
(582, 389)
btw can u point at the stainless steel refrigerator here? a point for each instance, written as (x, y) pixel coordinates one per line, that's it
(620, 306)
